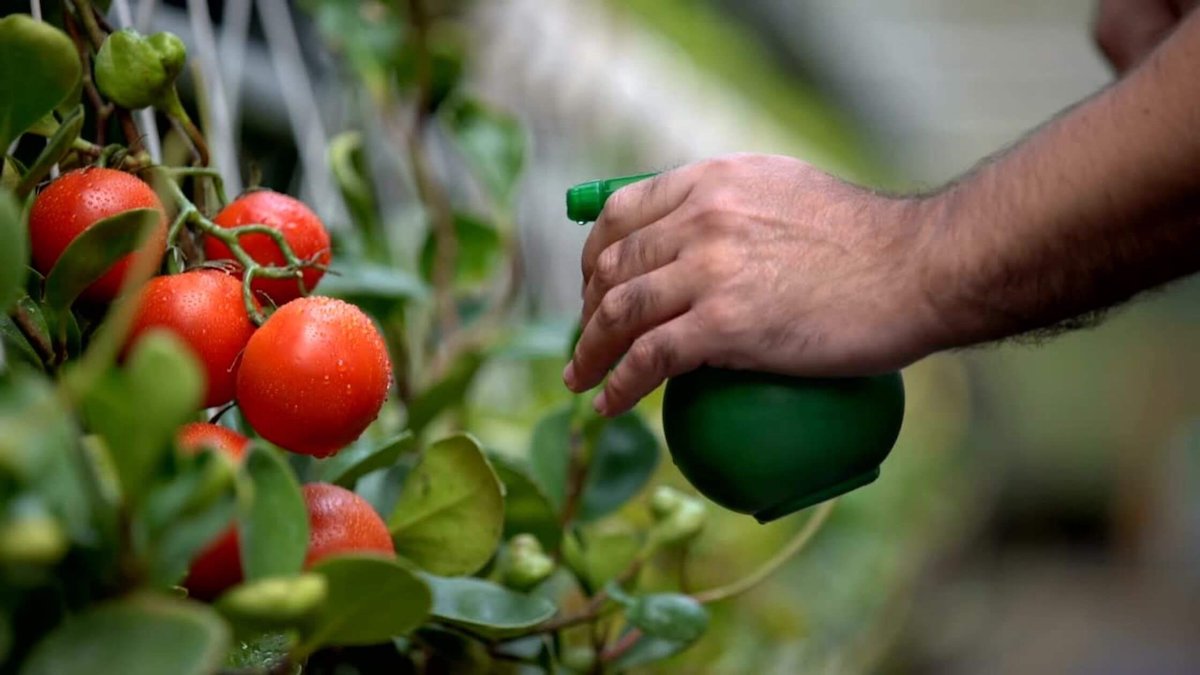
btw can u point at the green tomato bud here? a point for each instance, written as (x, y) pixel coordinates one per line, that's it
(681, 523)
(664, 501)
(526, 564)
(136, 71)
(278, 601)
(32, 539)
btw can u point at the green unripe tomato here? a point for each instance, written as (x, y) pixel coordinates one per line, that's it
(32, 539)
(526, 564)
(277, 601)
(770, 445)
(135, 71)
(684, 522)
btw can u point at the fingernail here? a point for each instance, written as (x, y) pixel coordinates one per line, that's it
(600, 403)
(568, 375)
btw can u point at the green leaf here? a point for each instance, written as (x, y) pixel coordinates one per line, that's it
(671, 616)
(492, 142)
(182, 516)
(348, 162)
(477, 254)
(138, 408)
(16, 346)
(370, 599)
(57, 146)
(361, 458)
(94, 251)
(141, 635)
(451, 511)
(601, 552)
(526, 506)
(274, 530)
(367, 280)
(624, 454)
(447, 392)
(14, 250)
(38, 68)
(485, 607)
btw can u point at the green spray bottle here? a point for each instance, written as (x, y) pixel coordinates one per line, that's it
(766, 444)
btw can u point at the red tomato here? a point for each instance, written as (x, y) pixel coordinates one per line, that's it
(313, 376)
(75, 202)
(340, 521)
(301, 229)
(205, 309)
(219, 565)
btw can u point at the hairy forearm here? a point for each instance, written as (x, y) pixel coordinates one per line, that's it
(1099, 204)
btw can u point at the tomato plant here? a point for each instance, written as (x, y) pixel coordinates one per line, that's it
(227, 445)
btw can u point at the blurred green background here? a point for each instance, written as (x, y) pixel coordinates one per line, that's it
(1041, 512)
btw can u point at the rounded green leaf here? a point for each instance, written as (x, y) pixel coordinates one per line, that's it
(601, 552)
(370, 599)
(624, 455)
(445, 393)
(274, 529)
(138, 408)
(451, 511)
(361, 458)
(141, 635)
(38, 69)
(94, 251)
(486, 607)
(671, 616)
(526, 506)
(14, 250)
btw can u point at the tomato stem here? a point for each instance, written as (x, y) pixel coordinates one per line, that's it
(231, 238)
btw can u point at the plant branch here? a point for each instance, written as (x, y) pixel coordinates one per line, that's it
(621, 646)
(797, 544)
(103, 108)
(432, 194)
(25, 324)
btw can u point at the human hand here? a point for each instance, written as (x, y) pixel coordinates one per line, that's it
(750, 262)
(1127, 30)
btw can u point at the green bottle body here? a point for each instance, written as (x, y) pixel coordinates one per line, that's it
(766, 444)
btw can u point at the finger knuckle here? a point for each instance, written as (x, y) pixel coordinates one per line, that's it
(721, 316)
(612, 312)
(608, 265)
(651, 355)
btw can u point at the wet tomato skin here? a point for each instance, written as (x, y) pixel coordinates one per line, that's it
(205, 309)
(74, 202)
(340, 521)
(313, 376)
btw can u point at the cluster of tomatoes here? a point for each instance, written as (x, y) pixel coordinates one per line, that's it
(310, 379)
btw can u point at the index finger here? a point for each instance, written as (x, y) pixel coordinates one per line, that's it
(633, 207)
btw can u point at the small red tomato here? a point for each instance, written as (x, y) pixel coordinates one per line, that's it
(340, 521)
(219, 565)
(313, 376)
(204, 308)
(75, 202)
(301, 229)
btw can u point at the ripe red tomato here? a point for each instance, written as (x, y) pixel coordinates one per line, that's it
(219, 565)
(301, 229)
(205, 309)
(75, 202)
(313, 376)
(339, 521)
